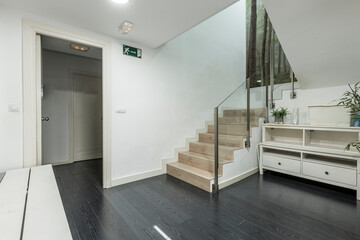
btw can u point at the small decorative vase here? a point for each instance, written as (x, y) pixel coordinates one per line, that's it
(279, 119)
(296, 116)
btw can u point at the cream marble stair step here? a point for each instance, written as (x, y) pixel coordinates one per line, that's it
(201, 161)
(224, 139)
(208, 149)
(231, 129)
(229, 120)
(242, 113)
(192, 175)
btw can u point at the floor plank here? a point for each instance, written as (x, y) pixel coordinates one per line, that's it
(272, 206)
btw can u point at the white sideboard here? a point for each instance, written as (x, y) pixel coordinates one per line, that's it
(312, 152)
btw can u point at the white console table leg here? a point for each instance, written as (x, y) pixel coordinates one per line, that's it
(260, 161)
(358, 181)
(358, 186)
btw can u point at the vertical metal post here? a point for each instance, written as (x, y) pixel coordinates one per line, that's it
(264, 81)
(272, 106)
(293, 93)
(266, 96)
(247, 142)
(215, 186)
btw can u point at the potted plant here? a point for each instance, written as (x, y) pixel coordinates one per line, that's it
(279, 114)
(351, 100)
(353, 144)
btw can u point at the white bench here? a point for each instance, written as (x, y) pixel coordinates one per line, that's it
(13, 189)
(44, 217)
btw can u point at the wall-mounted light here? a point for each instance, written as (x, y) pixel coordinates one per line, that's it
(121, 1)
(126, 27)
(78, 47)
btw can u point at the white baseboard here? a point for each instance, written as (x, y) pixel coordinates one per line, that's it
(238, 178)
(162, 170)
(135, 177)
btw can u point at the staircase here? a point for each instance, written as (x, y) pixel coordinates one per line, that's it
(196, 166)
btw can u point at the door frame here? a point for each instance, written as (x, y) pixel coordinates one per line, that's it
(32, 91)
(72, 72)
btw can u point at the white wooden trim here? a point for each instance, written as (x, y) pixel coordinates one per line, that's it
(238, 178)
(136, 177)
(38, 59)
(30, 90)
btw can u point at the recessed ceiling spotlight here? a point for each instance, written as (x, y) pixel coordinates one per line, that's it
(126, 27)
(78, 47)
(121, 1)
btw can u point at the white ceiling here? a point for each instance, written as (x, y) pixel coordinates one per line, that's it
(155, 21)
(59, 45)
(321, 39)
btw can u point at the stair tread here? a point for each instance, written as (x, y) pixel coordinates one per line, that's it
(211, 144)
(207, 157)
(226, 135)
(193, 170)
(237, 124)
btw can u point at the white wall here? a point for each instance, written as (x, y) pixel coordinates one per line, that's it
(309, 97)
(11, 131)
(245, 159)
(168, 94)
(55, 103)
(176, 91)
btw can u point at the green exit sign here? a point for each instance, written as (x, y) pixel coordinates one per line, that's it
(131, 51)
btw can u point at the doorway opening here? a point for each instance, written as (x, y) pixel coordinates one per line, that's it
(38, 120)
(71, 102)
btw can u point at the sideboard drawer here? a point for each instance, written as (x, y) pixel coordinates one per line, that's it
(281, 163)
(332, 173)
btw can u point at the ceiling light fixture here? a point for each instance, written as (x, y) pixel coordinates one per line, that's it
(120, 1)
(126, 27)
(78, 47)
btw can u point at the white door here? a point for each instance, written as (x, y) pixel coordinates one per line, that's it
(87, 117)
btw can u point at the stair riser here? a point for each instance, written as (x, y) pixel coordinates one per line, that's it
(243, 113)
(209, 150)
(254, 121)
(199, 162)
(189, 178)
(225, 141)
(230, 130)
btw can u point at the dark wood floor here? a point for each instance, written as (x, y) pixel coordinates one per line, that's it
(272, 206)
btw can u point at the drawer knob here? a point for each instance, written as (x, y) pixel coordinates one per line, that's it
(327, 173)
(279, 163)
